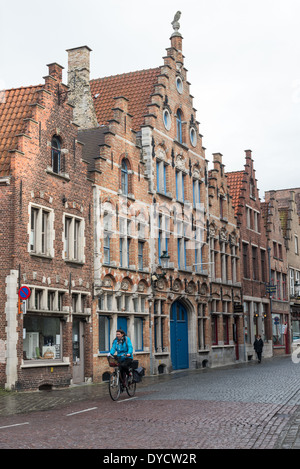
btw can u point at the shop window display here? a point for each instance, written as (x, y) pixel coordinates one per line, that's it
(41, 338)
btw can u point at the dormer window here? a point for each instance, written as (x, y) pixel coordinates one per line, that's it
(56, 155)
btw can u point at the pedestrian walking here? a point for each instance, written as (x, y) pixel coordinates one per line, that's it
(258, 347)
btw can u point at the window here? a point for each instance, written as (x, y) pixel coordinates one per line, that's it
(214, 329)
(225, 330)
(277, 330)
(163, 234)
(79, 303)
(124, 252)
(198, 250)
(196, 192)
(124, 242)
(181, 245)
(245, 260)
(284, 289)
(256, 221)
(161, 180)
(124, 177)
(292, 282)
(167, 119)
(252, 188)
(138, 334)
(140, 255)
(51, 300)
(179, 179)
(263, 265)
(104, 334)
(106, 243)
(233, 264)
(38, 299)
(212, 258)
(193, 136)
(296, 245)
(56, 155)
(107, 231)
(248, 217)
(159, 326)
(201, 326)
(254, 263)
(179, 125)
(46, 300)
(40, 232)
(224, 265)
(248, 338)
(279, 283)
(73, 239)
(41, 338)
(179, 85)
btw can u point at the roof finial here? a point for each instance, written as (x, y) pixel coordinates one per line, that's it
(175, 24)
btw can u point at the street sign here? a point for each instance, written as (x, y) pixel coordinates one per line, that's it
(23, 307)
(24, 292)
(238, 308)
(271, 288)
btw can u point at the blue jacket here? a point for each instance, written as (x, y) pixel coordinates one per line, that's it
(122, 347)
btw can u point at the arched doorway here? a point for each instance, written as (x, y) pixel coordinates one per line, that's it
(179, 336)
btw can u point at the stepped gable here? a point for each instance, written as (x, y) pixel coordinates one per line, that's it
(14, 108)
(137, 87)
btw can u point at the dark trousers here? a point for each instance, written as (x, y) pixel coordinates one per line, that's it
(124, 367)
(259, 356)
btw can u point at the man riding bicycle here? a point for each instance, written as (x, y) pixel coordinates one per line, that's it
(123, 346)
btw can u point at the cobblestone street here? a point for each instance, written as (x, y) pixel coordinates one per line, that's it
(246, 406)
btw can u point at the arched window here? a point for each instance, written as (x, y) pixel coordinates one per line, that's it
(179, 125)
(124, 177)
(55, 154)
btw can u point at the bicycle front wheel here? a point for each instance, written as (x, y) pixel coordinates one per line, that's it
(131, 386)
(114, 386)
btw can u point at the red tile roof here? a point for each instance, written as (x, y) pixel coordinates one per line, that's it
(135, 86)
(235, 184)
(14, 108)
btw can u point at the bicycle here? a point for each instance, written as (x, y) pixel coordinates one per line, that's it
(117, 383)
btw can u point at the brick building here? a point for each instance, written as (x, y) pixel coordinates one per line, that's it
(289, 210)
(114, 220)
(225, 302)
(279, 300)
(254, 255)
(150, 183)
(46, 228)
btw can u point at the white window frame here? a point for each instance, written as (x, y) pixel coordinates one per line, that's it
(74, 242)
(41, 239)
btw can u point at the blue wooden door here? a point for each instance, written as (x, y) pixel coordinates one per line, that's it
(122, 323)
(179, 336)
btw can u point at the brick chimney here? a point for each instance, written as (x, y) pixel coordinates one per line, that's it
(79, 84)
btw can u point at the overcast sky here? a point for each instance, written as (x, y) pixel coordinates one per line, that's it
(243, 61)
